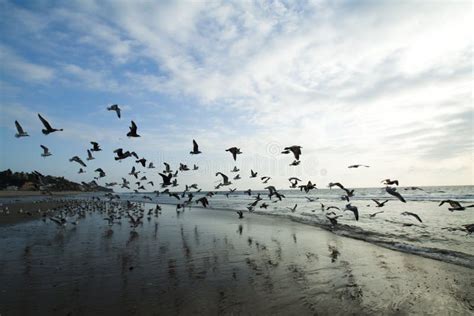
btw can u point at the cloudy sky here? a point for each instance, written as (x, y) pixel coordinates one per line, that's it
(383, 83)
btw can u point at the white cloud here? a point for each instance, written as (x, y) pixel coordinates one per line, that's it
(18, 67)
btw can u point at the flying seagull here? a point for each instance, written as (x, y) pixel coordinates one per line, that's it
(133, 130)
(357, 166)
(353, 209)
(101, 172)
(393, 191)
(253, 174)
(380, 204)
(412, 214)
(47, 127)
(203, 201)
(296, 150)
(373, 214)
(115, 108)
(78, 160)
(46, 151)
(166, 179)
(81, 170)
(455, 205)
(265, 179)
(234, 151)
(389, 182)
(225, 178)
(195, 150)
(89, 155)
(95, 146)
(20, 131)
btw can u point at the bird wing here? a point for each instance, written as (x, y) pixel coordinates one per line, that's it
(19, 128)
(133, 127)
(89, 153)
(195, 146)
(45, 123)
(117, 110)
(45, 149)
(297, 152)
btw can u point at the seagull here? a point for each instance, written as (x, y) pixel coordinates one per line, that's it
(336, 184)
(235, 169)
(134, 173)
(133, 130)
(142, 161)
(393, 191)
(295, 163)
(237, 177)
(195, 149)
(380, 204)
(455, 205)
(296, 150)
(293, 209)
(115, 108)
(183, 167)
(265, 179)
(122, 155)
(264, 205)
(412, 214)
(353, 209)
(332, 207)
(224, 178)
(373, 215)
(413, 189)
(389, 182)
(311, 199)
(166, 179)
(47, 127)
(167, 168)
(46, 151)
(151, 166)
(249, 192)
(241, 214)
(469, 228)
(89, 155)
(203, 201)
(195, 167)
(81, 170)
(101, 172)
(294, 182)
(20, 131)
(333, 220)
(357, 166)
(95, 146)
(234, 151)
(78, 160)
(309, 186)
(253, 174)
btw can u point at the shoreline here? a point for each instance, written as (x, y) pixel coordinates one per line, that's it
(255, 265)
(13, 194)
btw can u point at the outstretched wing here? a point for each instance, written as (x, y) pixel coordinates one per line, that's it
(45, 123)
(19, 128)
(45, 149)
(195, 146)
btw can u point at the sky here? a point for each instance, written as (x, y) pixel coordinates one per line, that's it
(383, 83)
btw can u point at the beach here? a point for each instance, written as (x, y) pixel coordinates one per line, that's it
(203, 261)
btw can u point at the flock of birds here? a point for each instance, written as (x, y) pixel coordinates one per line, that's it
(170, 180)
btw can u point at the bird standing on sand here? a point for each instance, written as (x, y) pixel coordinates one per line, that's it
(46, 151)
(133, 130)
(393, 191)
(195, 150)
(234, 151)
(20, 131)
(47, 127)
(114, 107)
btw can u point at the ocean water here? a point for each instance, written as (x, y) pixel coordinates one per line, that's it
(440, 236)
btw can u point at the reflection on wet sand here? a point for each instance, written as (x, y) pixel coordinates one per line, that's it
(210, 262)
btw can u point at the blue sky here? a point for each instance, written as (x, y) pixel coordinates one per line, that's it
(387, 84)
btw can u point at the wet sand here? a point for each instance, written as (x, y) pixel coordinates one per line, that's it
(210, 262)
(24, 211)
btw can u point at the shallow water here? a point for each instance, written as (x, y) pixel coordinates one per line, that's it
(440, 235)
(210, 262)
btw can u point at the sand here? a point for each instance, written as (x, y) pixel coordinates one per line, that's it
(24, 211)
(209, 262)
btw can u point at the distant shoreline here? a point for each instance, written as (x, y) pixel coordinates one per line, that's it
(37, 193)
